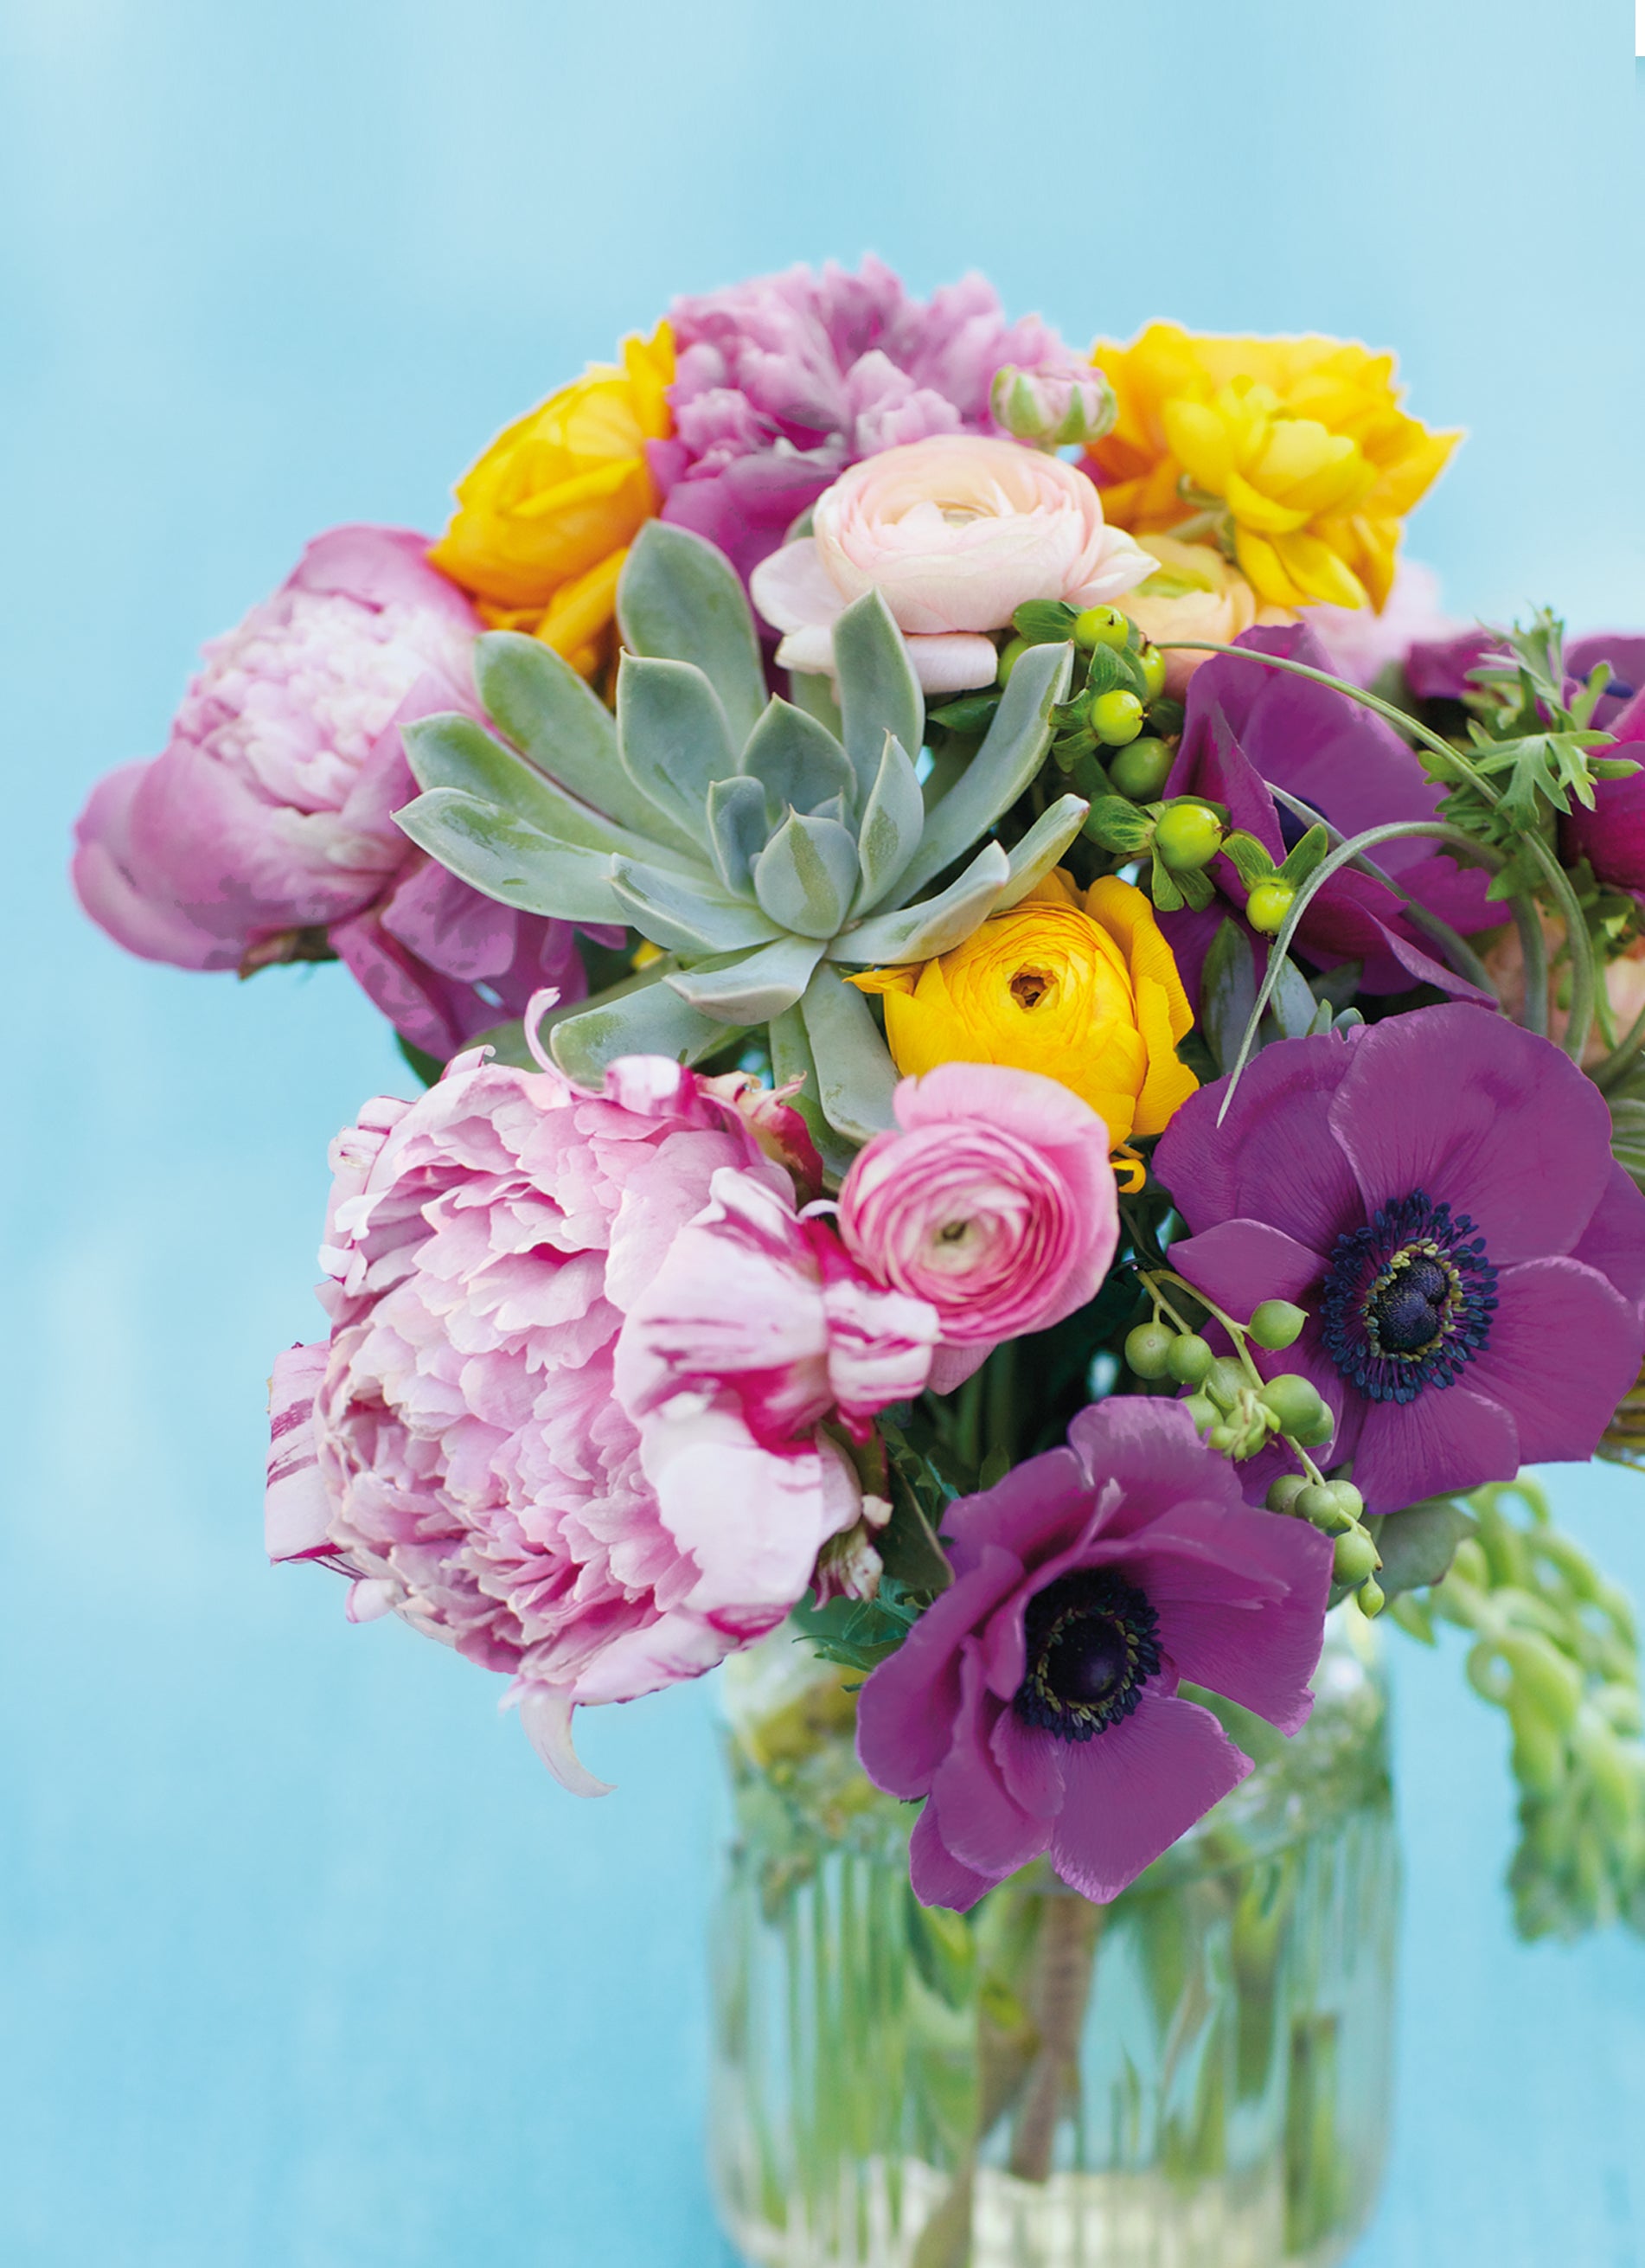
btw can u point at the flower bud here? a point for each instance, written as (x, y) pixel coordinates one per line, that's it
(1370, 1598)
(1051, 407)
(1268, 905)
(1276, 1324)
(1188, 834)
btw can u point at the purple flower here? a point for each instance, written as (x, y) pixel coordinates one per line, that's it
(1436, 669)
(1611, 836)
(1438, 1192)
(784, 381)
(1034, 1704)
(1247, 726)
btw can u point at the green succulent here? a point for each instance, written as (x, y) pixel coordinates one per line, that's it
(760, 846)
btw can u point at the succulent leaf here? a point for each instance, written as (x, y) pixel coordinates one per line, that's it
(792, 1059)
(812, 690)
(892, 821)
(806, 876)
(739, 829)
(648, 1020)
(855, 1077)
(935, 925)
(537, 700)
(506, 859)
(796, 761)
(750, 988)
(878, 690)
(687, 917)
(678, 598)
(1038, 852)
(1008, 759)
(673, 739)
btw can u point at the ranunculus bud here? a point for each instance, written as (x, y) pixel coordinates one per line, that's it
(1051, 407)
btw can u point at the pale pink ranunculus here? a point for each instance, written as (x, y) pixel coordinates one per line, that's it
(471, 1443)
(955, 531)
(264, 830)
(994, 1201)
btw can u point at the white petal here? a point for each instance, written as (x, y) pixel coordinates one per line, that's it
(954, 661)
(792, 588)
(546, 1713)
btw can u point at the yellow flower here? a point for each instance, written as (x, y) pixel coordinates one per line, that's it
(1083, 988)
(544, 519)
(1298, 445)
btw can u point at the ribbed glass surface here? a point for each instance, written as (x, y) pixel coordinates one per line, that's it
(1196, 2076)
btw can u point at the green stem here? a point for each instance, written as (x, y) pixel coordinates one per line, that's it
(1621, 1060)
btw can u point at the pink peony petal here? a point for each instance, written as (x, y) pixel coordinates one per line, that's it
(545, 1714)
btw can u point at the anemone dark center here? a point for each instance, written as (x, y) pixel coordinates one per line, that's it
(1092, 1644)
(1408, 1300)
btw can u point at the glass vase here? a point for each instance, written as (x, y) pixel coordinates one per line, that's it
(1196, 2075)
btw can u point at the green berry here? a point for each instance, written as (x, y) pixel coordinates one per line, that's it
(1190, 1359)
(1151, 662)
(1223, 1437)
(1276, 1324)
(1141, 770)
(1202, 1413)
(1115, 718)
(1314, 1436)
(1187, 835)
(1319, 1508)
(1352, 1502)
(1100, 626)
(1356, 1558)
(1295, 1402)
(1010, 654)
(1370, 1597)
(1268, 905)
(1148, 1349)
(1225, 1382)
(1283, 1492)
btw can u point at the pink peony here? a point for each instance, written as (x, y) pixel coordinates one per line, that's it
(955, 533)
(782, 382)
(994, 1202)
(265, 832)
(481, 1448)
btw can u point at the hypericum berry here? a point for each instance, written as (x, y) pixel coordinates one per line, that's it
(1356, 1557)
(1283, 1492)
(1294, 1401)
(1141, 770)
(1271, 899)
(1202, 1411)
(1225, 1380)
(1277, 1325)
(1115, 718)
(1352, 1502)
(1319, 1508)
(1313, 1437)
(1148, 1349)
(1151, 662)
(1370, 1598)
(1100, 626)
(1187, 835)
(1010, 654)
(1190, 1359)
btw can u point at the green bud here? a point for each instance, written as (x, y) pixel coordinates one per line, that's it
(1140, 769)
(1202, 1413)
(1283, 1492)
(1319, 1508)
(1268, 905)
(1370, 1598)
(1100, 626)
(1190, 1359)
(1222, 1437)
(1225, 1380)
(1115, 718)
(1276, 1324)
(1350, 1500)
(1293, 1400)
(1148, 1349)
(1356, 1558)
(1315, 1436)
(1010, 654)
(1151, 662)
(1187, 835)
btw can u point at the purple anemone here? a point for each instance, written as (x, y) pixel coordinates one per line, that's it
(1436, 669)
(1438, 1192)
(1247, 726)
(1034, 1704)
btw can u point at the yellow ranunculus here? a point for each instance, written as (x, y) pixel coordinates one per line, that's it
(1299, 446)
(544, 519)
(1083, 988)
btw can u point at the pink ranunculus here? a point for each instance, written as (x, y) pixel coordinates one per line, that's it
(955, 533)
(467, 1444)
(994, 1202)
(264, 831)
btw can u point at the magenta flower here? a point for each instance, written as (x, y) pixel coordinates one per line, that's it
(461, 1444)
(1438, 1192)
(264, 831)
(1246, 726)
(994, 1201)
(784, 381)
(1611, 836)
(1034, 1704)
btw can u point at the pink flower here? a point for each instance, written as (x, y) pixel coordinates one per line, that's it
(264, 831)
(955, 533)
(994, 1202)
(463, 1445)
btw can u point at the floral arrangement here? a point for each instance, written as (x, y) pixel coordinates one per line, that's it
(1031, 1063)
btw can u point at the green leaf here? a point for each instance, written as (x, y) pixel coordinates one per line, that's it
(1044, 622)
(806, 876)
(1033, 859)
(1311, 851)
(1252, 861)
(1291, 1003)
(750, 988)
(678, 598)
(1162, 888)
(535, 696)
(687, 917)
(791, 1058)
(674, 740)
(920, 932)
(1196, 885)
(798, 762)
(1419, 1544)
(649, 1020)
(1228, 992)
(1002, 768)
(504, 859)
(855, 1077)
(892, 823)
(907, 1544)
(878, 690)
(811, 692)
(1120, 826)
(739, 829)
(971, 715)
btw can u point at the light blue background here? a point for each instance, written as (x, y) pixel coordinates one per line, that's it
(306, 1962)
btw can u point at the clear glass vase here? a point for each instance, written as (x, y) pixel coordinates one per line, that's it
(1195, 2076)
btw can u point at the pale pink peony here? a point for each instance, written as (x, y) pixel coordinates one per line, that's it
(265, 829)
(475, 1445)
(955, 533)
(994, 1202)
